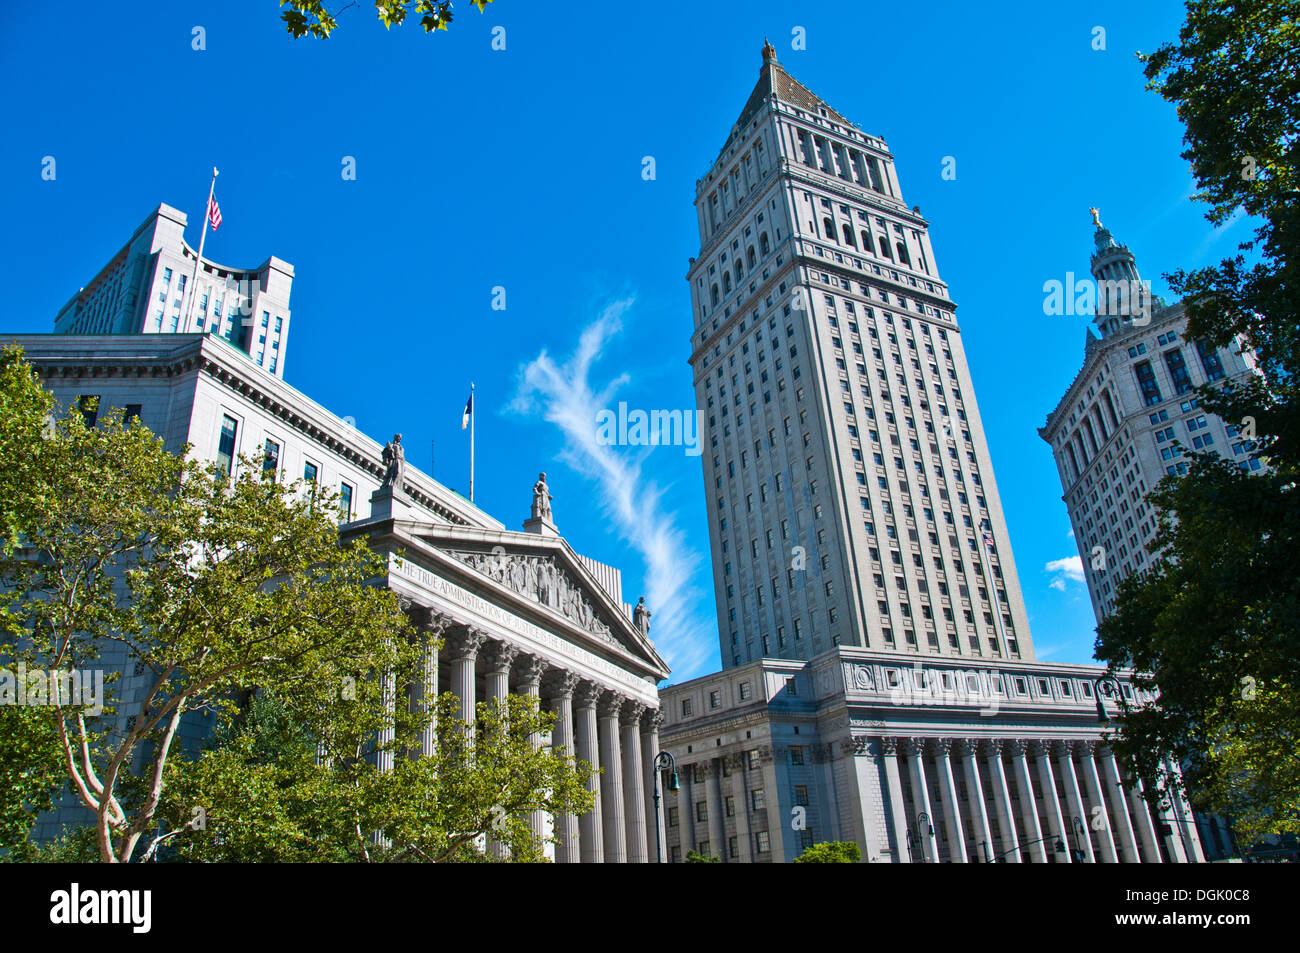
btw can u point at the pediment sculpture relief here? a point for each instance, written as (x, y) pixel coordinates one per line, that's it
(542, 580)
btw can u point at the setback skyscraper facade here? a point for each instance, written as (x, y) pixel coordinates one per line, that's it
(879, 683)
(851, 495)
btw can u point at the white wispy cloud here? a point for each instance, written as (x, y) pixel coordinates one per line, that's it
(684, 630)
(1071, 568)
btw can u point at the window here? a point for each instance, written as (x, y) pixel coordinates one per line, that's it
(758, 800)
(1146, 378)
(686, 708)
(763, 841)
(744, 691)
(226, 443)
(271, 459)
(796, 757)
(673, 815)
(715, 698)
(309, 471)
(1178, 371)
(751, 759)
(345, 501)
(733, 848)
(1210, 362)
(702, 812)
(88, 406)
(132, 413)
(801, 795)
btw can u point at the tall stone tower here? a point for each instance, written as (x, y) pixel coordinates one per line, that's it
(851, 494)
(1130, 416)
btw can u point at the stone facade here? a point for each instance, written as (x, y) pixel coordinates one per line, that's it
(851, 495)
(916, 762)
(1127, 419)
(517, 611)
(879, 683)
(149, 287)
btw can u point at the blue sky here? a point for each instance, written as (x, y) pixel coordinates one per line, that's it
(521, 169)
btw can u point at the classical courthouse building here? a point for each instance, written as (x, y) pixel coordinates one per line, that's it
(879, 682)
(517, 610)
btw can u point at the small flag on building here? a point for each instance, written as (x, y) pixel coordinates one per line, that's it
(988, 540)
(214, 213)
(469, 410)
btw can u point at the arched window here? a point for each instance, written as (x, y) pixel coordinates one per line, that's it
(763, 247)
(726, 282)
(829, 228)
(848, 236)
(884, 248)
(866, 241)
(714, 296)
(903, 256)
(753, 258)
(740, 272)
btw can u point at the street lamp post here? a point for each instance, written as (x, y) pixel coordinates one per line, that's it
(1080, 832)
(663, 762)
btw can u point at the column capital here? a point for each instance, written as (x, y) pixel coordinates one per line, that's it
(464, 642)
(912, 746)
(1039, 748)
(651, 720)
(993, 746)
(1063, 749)
(559, 683)
(587, 694)
(531, 669)
(500, 656)
(942, 745)
(856, 745)
(610, 704)
(1089, 747)
(631, 712)
(964, 746)
(890, 745)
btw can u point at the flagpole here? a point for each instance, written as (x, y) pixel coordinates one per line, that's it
(472, 414)
(203, 236)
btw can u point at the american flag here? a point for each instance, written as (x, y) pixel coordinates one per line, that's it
(214, 213)
(988, 540)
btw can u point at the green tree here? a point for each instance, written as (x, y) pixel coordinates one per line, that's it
(311, 18)
(696, 857)
(831, 852)
(207, 587)
(1214, 622)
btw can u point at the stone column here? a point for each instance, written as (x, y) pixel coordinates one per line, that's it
(713, 797)
(387, 733)
(530, 669)
(1119, 802)
(496, 682)
(633, 782)
(588, 750)
(499, 656)
(1074, 801)
(1146, 826)
(897, 809)
(1033, 843)
(1010, 847)
(772, 802)
(1051, 802)
(611, 787)
(952, 809)
(464, 645)
(1173, 842)
(1099, 817)
(426, 690)
(975, 793)
(1183, 818)
(923, 836)
(656, 840)
(559, 688)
